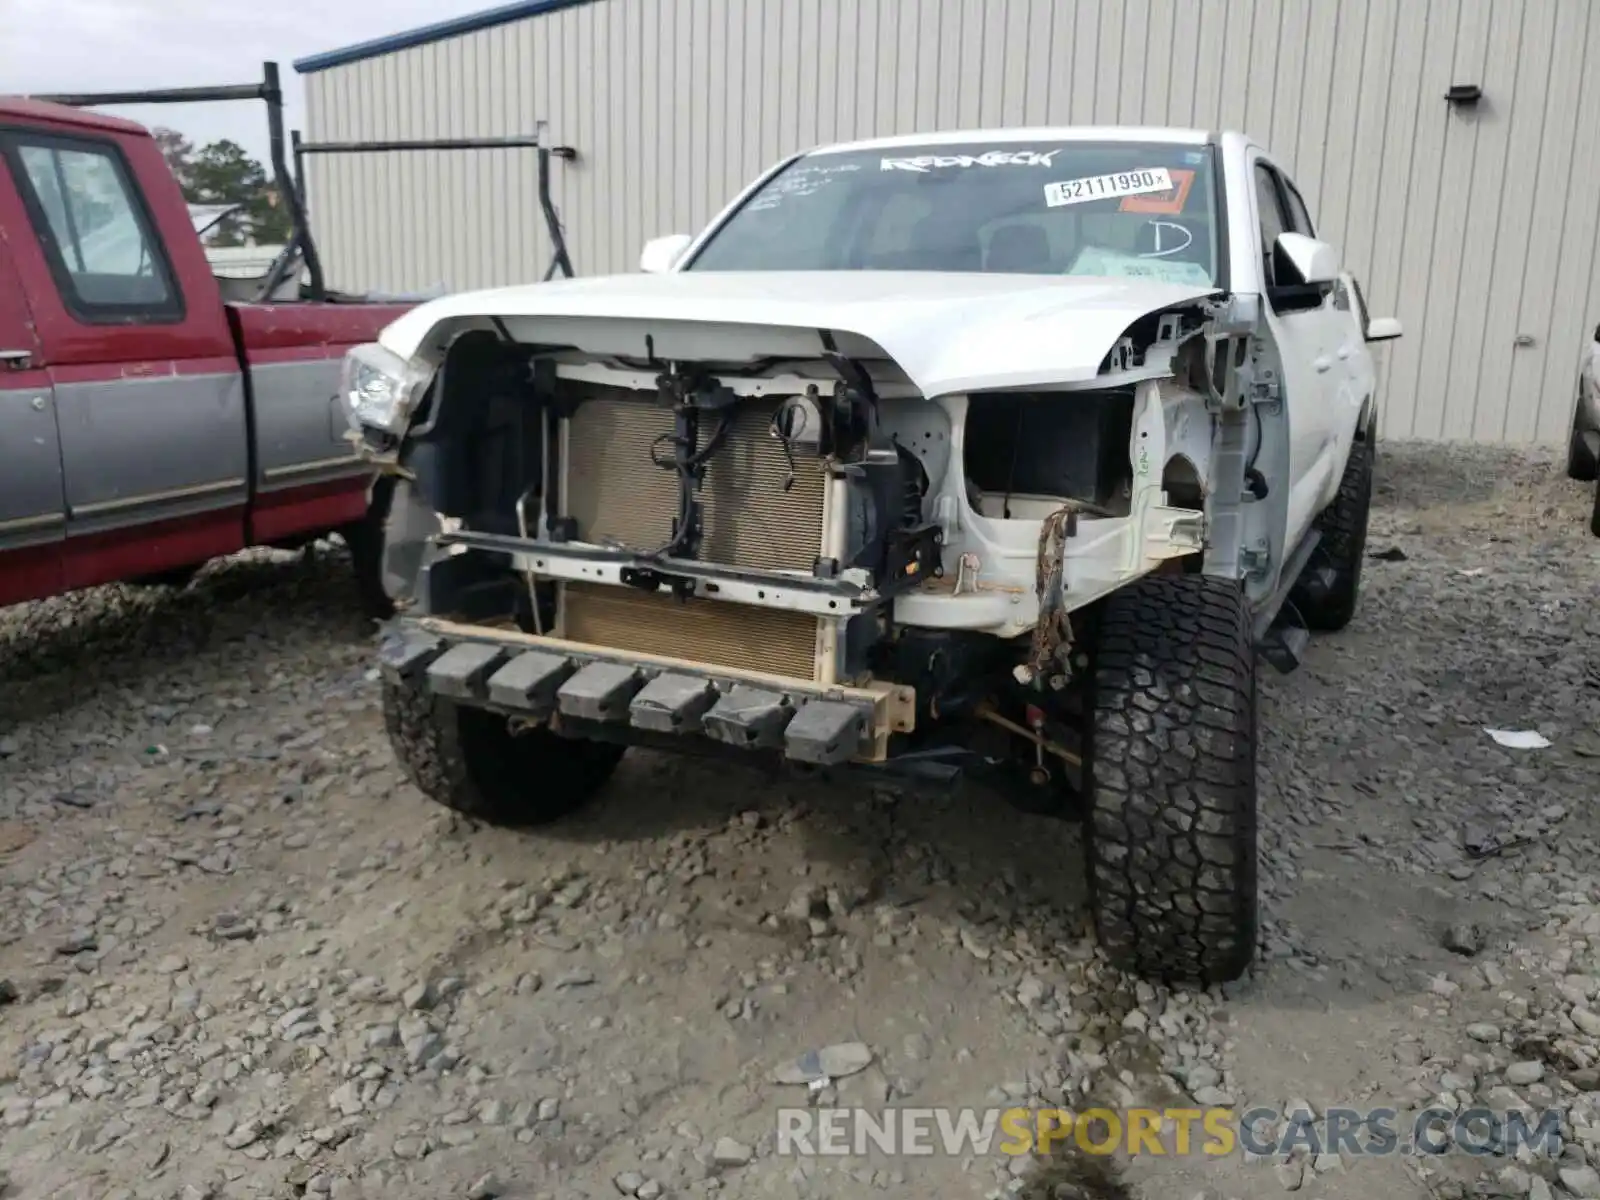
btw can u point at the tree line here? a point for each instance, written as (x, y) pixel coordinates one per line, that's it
(222, 172)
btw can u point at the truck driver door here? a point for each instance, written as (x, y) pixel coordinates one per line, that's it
(33, 507)
(149, 393)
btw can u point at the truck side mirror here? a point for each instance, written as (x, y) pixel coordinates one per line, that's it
(1383, 329)
(1310, 262)
(1304, 271)
(660, 253)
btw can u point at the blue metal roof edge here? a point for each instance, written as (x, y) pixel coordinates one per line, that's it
(438, 31)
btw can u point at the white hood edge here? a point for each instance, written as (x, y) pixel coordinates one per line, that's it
(947, 332)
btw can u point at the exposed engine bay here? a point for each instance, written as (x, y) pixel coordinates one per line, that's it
(813, 522)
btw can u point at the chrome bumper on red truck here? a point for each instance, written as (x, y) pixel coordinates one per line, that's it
(573, 686)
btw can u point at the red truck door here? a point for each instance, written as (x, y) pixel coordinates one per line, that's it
(33, 507)
(149, 393)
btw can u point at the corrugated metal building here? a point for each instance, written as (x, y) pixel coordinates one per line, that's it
(1476, 224)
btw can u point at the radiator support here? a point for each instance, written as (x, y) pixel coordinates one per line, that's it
(760, 506)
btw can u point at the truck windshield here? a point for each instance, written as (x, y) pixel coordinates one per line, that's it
(1129, 209)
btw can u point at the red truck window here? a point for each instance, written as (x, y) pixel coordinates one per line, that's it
(108, 262)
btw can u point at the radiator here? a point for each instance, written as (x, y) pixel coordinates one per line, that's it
(615, 494)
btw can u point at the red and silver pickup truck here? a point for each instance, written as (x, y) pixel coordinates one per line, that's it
(148, 421)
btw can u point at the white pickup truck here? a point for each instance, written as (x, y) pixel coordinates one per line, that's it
(999, 452)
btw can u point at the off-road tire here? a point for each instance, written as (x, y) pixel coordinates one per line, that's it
(1581, 463)
(1170, 779)
(365, 540)
(1343, 525)
(468, 759)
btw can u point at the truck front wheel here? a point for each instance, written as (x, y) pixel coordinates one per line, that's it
(1170, 779)
(468, 759)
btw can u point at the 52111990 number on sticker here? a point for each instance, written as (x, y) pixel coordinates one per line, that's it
(1099, 187)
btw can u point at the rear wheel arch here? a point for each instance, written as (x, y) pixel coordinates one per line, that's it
(1367, 427)
(1367, 422)
(1583, 464)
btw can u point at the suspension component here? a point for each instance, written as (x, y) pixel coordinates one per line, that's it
(1045, 745)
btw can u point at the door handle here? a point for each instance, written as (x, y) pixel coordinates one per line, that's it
(1322, 362)
(15, 358)
(1344, 352)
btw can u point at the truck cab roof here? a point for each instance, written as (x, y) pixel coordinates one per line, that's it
(20, 109)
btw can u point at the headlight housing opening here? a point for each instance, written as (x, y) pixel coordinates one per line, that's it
(378, 389)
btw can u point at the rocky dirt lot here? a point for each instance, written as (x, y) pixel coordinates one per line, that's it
(239, 957)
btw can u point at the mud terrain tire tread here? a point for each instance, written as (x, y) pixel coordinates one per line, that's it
(468, 760)
(1171, 780)
(1343, 525)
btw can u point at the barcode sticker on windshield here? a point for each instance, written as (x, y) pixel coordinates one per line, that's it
(1102, 187)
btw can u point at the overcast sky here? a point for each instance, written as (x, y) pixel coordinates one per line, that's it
(114, 45)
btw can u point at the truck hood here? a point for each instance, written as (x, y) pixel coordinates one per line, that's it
(948, 332)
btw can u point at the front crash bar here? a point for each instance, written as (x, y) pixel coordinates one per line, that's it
(840, 596)
(569, 686)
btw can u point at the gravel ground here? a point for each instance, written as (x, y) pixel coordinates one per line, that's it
(240, 957)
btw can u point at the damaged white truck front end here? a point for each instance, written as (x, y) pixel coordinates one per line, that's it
(1048, 445)
(966, 493)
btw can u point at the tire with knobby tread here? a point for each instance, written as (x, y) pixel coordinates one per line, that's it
(1581, 462)
(1343, 525)
(467, 759)
(1170, 780)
